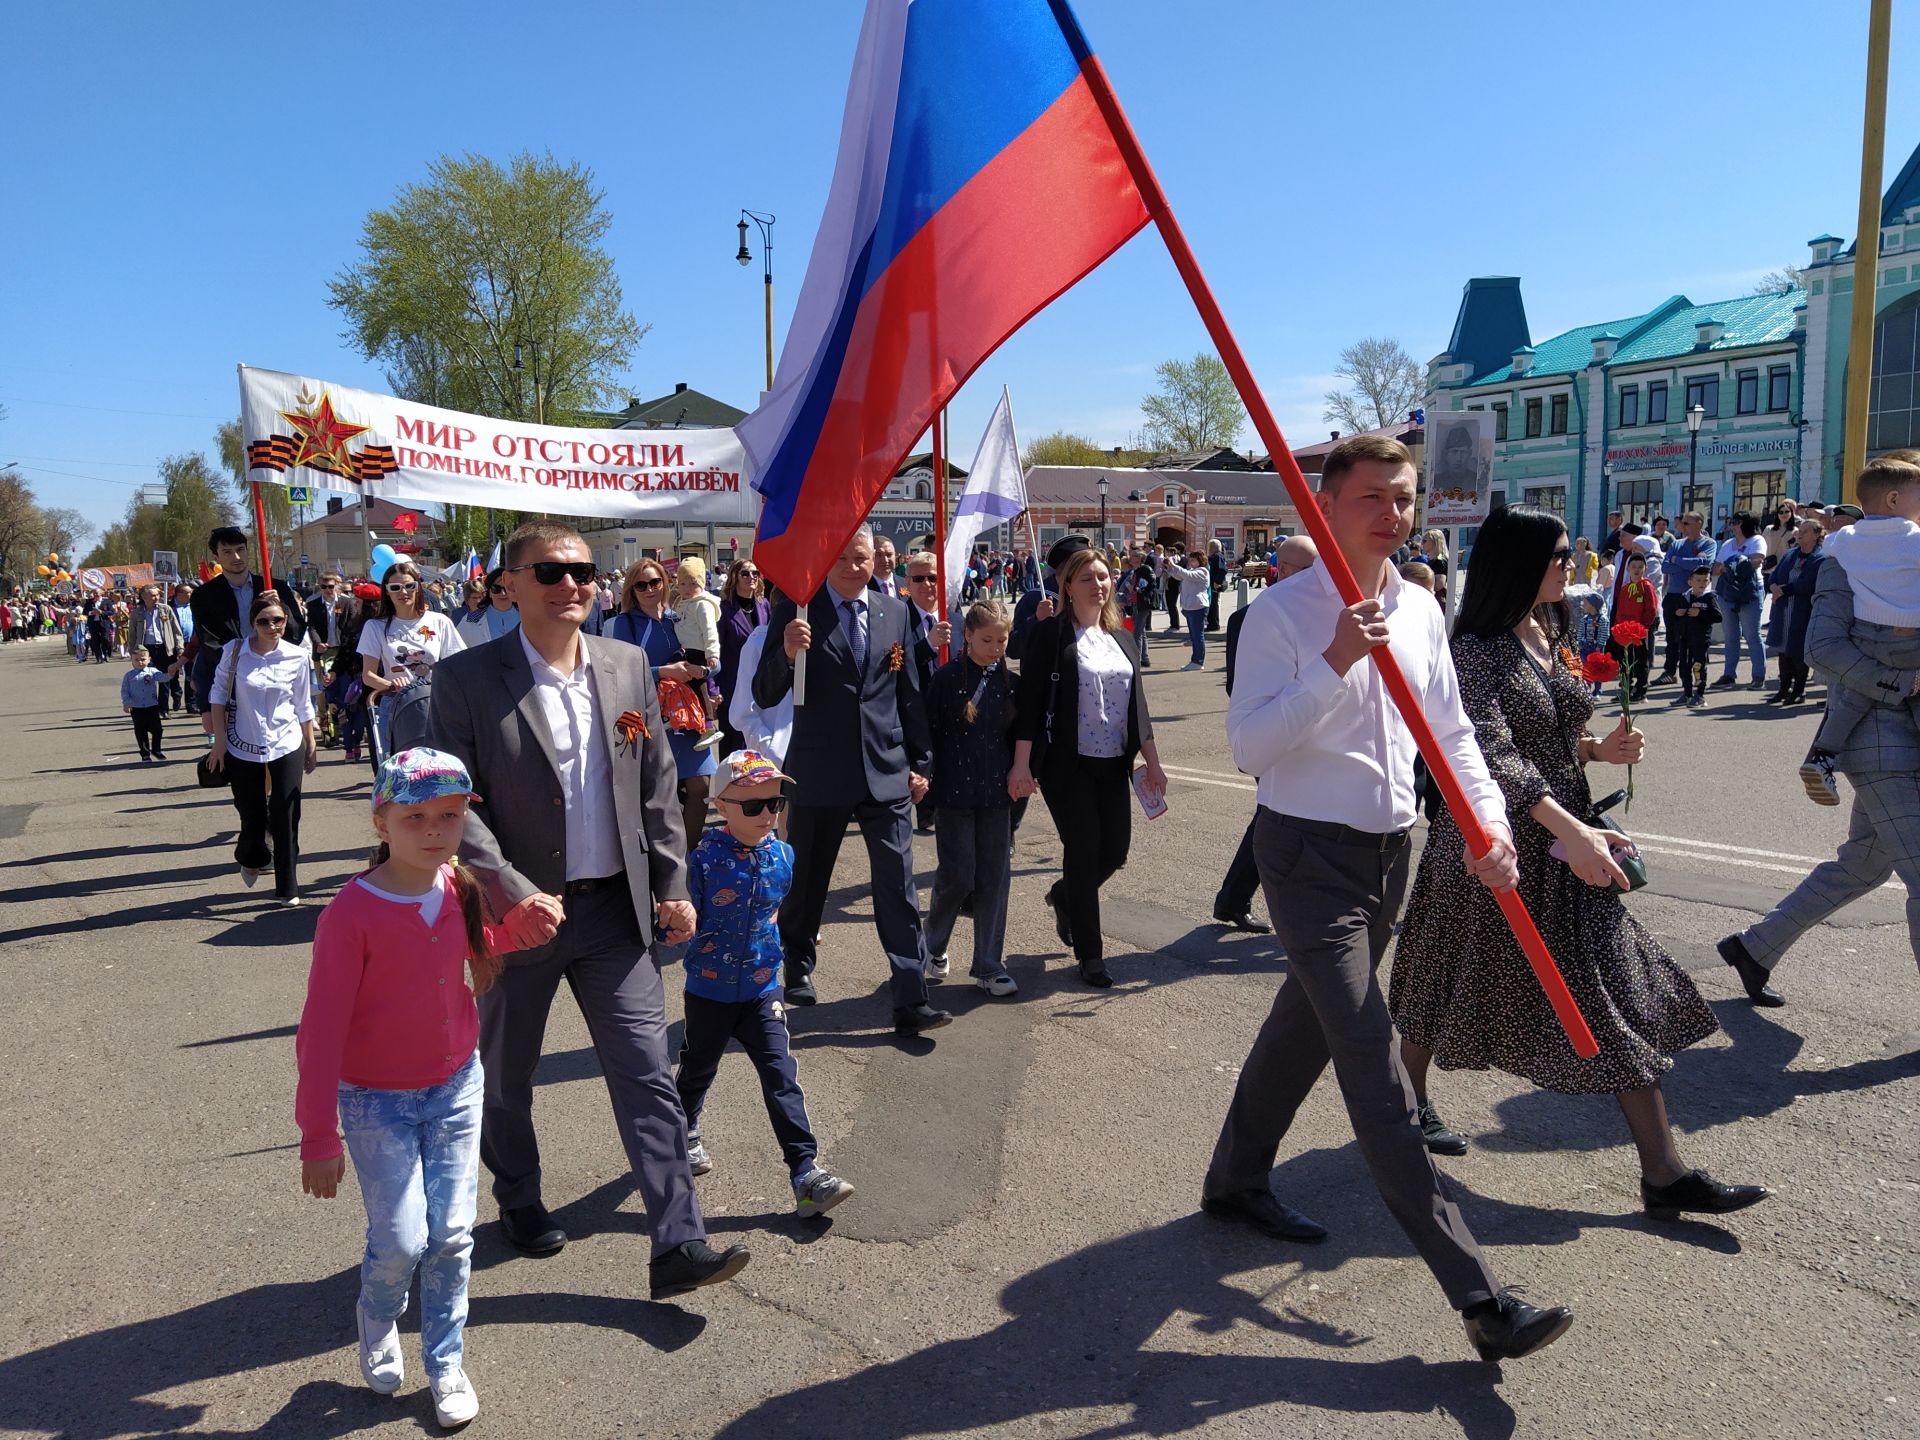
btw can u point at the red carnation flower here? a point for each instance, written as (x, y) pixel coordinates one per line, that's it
(1629, 632)
(1598, 668)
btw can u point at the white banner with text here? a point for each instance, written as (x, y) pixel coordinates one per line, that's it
(303, 431)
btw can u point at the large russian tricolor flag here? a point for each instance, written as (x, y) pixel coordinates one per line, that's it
(976, 181)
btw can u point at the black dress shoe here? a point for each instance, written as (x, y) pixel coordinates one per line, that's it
(1699, 1192)
(530, 1229)
(1096, 975)
(1779, 697)
(1259, 1210)
(692, 1265)
(917, 1019)
(1242, 921)
(1507, 1328)
(800, 991)
(1057, 903)
(1752, 973)
(1440, 1140)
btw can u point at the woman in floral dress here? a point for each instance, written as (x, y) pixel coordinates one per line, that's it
(1462, 992)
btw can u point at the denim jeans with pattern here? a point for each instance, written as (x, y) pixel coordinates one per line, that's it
(417, 1153)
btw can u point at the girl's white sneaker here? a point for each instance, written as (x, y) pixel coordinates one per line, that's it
(454, 1402)
(380, 1361)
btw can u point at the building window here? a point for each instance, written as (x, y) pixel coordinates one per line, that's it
(1657, 403)
(1172, 501)
(1698, 498)
(1049, 534)
(1557, 416)
(1759, 492)
(1533, 418)
(1639, 500)
(1704, 391)
(1893, 407)
(1630, 405)
(1499, 421)
(1779, 387)
(1746, 392)
(1547, 497)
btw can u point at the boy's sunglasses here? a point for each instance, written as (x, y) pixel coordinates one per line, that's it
(771, 805)
(548, 572)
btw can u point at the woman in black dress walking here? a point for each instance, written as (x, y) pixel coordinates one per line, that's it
(1462, 992)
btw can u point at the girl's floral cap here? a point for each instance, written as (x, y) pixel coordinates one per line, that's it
(413, 777)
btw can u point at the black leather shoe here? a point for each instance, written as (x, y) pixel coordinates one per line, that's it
(800, 991)
(530, 1229)
(1096, 976)
(1701, 1193)
(1752, 973)
(918, 1019)
(692, 1265)
(1242, 921)
(1440, 1140)
(1508, 1328)
(1056, 903)
(1259, 1210)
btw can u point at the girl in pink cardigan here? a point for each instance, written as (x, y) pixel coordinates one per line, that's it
(388, 1041)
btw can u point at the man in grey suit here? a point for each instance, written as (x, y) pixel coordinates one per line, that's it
(562, 735)
(1881, 757)
(860, 751)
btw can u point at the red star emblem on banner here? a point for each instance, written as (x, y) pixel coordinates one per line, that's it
(323, 438)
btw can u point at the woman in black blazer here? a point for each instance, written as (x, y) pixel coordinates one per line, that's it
(1080, 718)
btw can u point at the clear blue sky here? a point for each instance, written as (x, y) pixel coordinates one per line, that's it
(184, 179)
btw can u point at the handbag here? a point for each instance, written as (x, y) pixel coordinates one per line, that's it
(209, 779)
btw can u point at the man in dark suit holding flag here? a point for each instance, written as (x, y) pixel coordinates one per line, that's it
(860, 751)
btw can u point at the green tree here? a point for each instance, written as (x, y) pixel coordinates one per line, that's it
(195, 508)
(1196, 406)
(480, 265)
(1384, 384)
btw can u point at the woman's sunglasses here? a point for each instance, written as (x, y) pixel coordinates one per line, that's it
(401, 589)
(772, 805)
(497, 590)
(1562, 556)
(275, 622)
(750, 574)
(645, 585)
(548, 572)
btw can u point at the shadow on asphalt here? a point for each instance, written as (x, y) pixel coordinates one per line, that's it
(1094, 1330)
(97, 1387)
(1706, 1087)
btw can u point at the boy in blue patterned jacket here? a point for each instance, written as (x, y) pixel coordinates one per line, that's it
(737, 876)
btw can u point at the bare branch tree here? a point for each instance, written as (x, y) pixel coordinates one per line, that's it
(1385, 382)
(1779, 282)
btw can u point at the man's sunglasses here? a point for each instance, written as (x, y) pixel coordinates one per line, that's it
(772, 805)
(923, 579)
(548, 572)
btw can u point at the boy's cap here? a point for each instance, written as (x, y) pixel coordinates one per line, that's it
(413, 777)
(744, 767)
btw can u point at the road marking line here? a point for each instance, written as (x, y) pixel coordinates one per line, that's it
(1688, 848)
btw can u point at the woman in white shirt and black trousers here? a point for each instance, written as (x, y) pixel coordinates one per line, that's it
(1080, 718)
(262, 710)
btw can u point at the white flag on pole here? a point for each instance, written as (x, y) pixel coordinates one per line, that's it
(996, 493)
(493, 558)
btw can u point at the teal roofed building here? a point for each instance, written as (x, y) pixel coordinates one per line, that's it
(1593, 419)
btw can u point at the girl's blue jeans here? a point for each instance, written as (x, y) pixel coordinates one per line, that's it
(417, 1153)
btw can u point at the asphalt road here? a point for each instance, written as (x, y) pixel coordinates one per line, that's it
(1024, 1256)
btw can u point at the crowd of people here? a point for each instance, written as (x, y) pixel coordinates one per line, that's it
(576, 781)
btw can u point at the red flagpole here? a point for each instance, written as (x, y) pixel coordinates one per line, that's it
(940, 512)
(1298, 491)
(260, 533)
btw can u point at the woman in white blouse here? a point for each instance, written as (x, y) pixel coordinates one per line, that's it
(1081, 717)
(262, 705)
(399, 648)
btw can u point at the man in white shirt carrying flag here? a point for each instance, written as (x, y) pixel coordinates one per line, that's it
(1311, 718)
(996, 493)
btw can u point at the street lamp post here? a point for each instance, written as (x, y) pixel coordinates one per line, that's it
(745, 257)
(1695, 414)
(539, 394)
(1102, 485)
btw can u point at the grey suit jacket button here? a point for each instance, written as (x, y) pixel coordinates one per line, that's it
(555, 854)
